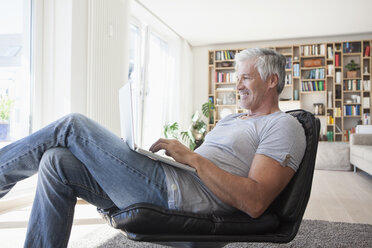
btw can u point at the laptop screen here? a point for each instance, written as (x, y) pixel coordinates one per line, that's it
(126, 115)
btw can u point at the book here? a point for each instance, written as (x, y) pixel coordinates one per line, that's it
(337, 59)
(330, 70)
(366, 102)
(366, 51)
(330, 53)
(338, 77)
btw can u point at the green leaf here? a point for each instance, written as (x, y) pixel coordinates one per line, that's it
(207, 108)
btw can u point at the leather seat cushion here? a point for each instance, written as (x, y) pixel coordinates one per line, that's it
(135, 219)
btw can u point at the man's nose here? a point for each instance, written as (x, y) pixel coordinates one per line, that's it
(239, 84)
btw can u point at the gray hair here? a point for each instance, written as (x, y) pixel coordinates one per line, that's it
(268, 62)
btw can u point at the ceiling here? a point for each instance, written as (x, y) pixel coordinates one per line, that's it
(206, 22)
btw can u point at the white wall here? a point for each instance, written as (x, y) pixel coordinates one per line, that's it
(200, 59)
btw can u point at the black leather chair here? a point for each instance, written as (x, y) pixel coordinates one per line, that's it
(279, 224)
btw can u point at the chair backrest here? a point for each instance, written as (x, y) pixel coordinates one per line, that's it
(291, 203)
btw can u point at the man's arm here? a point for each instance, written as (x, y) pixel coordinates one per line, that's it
(252, 194)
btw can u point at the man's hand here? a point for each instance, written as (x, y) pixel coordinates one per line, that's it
(174, 149)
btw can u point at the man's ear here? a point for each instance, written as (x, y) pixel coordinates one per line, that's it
(273, 80)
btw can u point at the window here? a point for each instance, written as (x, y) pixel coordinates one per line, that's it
(14, 69)
(150, 63)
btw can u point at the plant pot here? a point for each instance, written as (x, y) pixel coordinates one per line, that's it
(351, 74)
(4, 131)
(197, 135)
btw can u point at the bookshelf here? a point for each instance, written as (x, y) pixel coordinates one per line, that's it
(317, 79)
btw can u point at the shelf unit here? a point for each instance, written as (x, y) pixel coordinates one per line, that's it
(316, 80)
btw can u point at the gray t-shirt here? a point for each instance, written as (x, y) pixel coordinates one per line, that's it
(231, 146)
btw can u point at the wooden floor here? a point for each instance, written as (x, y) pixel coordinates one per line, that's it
(341, 197)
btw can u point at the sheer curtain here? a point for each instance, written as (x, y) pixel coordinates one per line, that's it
(163, 85)
(168, 93)
(155, 89)
(182, 95)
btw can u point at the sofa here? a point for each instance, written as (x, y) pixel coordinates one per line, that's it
(361, 151)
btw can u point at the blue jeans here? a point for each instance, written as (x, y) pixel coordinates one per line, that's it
(76, 157)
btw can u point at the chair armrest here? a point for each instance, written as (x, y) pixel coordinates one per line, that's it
(361, 139)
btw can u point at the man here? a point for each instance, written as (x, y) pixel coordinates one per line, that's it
(243, 164)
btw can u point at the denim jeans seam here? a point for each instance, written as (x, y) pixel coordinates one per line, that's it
(134, 171)
(87, 189)
(67, 182)
(25, 154)
(68, 229)
(70, 212)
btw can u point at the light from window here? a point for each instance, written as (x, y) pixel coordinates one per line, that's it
(14, 69)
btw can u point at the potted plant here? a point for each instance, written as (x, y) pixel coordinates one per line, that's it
(352, 69)
(193, 137)
(5, 106)
(171, 131)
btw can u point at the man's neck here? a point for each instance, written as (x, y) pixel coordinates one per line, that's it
(263, 111)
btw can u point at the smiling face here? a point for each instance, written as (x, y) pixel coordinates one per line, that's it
(251, 87)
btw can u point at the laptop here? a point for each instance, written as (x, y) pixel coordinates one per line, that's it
(127, 129)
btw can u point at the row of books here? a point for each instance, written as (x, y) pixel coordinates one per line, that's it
(352, 84)
(366, 102)
(296, 70)
(366, 85)
(351, 47)
(347, 50)
(330, 52)
(351, 110)
(225, 77)
(337, 112)
(347, 134)
(330, 136)
(313, 86)
(310, 50)
(288, 64)
(225, 55)
(314, 74)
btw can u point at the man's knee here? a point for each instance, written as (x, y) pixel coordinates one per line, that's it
(53, 159)
(75, 118)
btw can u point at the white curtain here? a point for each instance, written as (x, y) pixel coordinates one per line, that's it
(169, 93)
(184, 98)
(156, 89)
